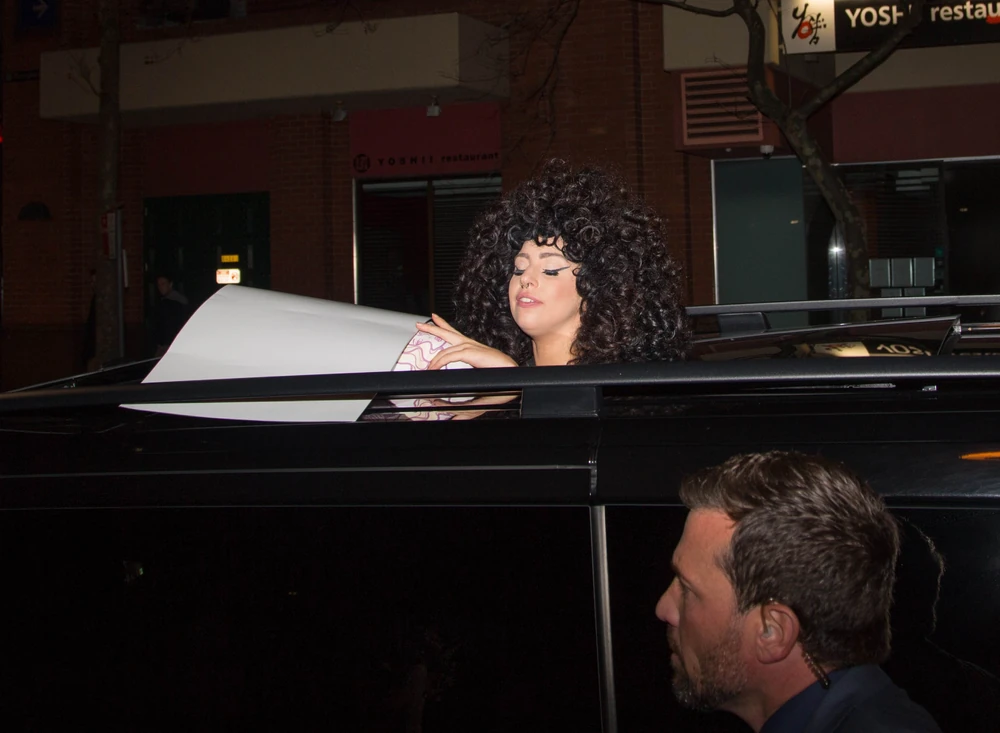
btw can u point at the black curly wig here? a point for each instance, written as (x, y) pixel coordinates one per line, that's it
(629, 284)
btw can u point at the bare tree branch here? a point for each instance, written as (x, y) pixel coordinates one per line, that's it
(696, 9)
(552, 72)
(536, 33)
(83, 74)
(792, 120)
(865, 65)
(759, 91)
(792, 123)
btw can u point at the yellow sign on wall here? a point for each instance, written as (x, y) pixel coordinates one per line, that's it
(230, 258)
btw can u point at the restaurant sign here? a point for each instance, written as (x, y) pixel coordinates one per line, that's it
(817, 26)
(459, 139)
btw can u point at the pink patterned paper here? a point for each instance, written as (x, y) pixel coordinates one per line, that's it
(416, 357)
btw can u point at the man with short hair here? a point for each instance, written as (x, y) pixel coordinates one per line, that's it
(779, 609)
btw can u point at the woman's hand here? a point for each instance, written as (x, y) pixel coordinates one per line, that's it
(462, 348)
(473, 353)
(467, 414)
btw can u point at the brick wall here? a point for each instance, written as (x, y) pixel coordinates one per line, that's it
(37, 262)
(676, 184)
(941, 122)
(301, 201)
(46, 279)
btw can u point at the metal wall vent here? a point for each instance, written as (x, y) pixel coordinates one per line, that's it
(716, 110)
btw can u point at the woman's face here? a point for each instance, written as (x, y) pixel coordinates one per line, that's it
(543, 296)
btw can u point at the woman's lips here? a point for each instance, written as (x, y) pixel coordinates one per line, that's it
(525, 301)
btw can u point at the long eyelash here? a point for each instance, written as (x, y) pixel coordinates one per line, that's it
(551, 273)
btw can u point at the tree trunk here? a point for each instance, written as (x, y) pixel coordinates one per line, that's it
(109, 346)
(835, 193)
(792, 124)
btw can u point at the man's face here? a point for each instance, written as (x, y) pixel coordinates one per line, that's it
(704, 631)
(164, 285)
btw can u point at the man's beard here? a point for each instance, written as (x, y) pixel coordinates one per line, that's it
(723, 676)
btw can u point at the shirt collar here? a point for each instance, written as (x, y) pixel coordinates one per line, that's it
(793, 716)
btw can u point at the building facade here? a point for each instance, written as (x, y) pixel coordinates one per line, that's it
(916, 141)
(341, 149)
(238, 130)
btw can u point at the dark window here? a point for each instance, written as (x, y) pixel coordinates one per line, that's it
(188, 237)
(903, 207)
(411, 238)
(937, 209)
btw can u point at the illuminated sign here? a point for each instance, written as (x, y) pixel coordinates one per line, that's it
(230, 276)
(814, 26)
(230, 258)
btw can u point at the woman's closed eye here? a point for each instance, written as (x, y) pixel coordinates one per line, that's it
(551, 272)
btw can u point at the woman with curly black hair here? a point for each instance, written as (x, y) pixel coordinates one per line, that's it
(568, 268)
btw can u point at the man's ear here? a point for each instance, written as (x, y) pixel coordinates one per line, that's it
(776, 632)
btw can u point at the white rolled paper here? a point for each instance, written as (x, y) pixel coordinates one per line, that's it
(244, 332)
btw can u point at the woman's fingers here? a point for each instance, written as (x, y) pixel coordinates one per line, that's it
(444, 330)
(474, 354)
(452, 337)
(467, 414)
(489, 399)
(447, 356)
(462, 348)
(442, 322)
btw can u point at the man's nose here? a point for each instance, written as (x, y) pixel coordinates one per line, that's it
(666, 607)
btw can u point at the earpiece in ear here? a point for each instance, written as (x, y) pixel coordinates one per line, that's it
(767, 631)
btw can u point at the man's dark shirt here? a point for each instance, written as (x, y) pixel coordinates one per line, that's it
(794, 714)
(169, 317)
(860, 699)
